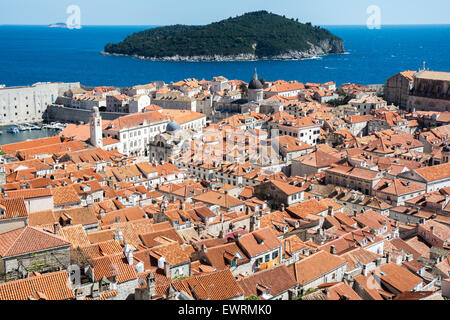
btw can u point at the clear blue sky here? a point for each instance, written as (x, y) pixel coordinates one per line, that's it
(161, 12)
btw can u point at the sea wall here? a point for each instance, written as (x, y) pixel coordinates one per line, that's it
(64, 114)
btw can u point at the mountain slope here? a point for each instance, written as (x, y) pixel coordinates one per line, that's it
(256, 35)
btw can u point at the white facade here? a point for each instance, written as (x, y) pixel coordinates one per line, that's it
(28, 104)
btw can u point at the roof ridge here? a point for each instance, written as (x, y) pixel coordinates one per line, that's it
(15, 240)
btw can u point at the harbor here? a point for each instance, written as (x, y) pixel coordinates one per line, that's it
(19, 133)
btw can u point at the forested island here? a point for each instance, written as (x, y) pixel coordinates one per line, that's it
(252, 36)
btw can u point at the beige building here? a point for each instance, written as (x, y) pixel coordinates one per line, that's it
(431, 91)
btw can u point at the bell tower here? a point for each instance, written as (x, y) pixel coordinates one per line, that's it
(95, 124)
(255, 89)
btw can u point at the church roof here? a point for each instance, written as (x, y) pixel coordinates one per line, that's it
(255, 84)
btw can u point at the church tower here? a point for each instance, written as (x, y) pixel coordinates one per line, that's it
(255, 89)
(95, 124)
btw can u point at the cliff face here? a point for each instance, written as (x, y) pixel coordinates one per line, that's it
(252, 36)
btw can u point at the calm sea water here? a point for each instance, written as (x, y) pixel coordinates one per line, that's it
(30, 54)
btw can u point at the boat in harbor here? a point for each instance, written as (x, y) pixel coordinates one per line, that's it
(35, 127)
(24, 127)
(13, 130)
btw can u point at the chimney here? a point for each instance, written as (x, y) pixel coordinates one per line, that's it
(330, 211)
(333, 249)
(378, 262)
(167, 269)
(55, 227)
(204, 248)
(118, 236)
(151, 284)
(365, 271)
(283, 207)
(432, 230)
(130, 257)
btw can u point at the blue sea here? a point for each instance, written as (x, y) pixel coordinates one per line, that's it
(30, 54)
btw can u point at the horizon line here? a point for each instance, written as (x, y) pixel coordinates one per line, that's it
(150, 25)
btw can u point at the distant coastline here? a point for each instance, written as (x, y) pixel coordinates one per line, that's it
(292, 56)
(62, 25)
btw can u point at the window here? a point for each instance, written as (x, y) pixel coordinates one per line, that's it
(274, 255)
(267, 258)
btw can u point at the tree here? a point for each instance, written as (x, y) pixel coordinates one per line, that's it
(252, 297)
(263, 81)
(243, 87)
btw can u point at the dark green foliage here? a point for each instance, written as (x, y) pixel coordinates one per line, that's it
(271, 33)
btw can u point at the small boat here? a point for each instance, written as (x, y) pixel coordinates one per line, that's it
(1, 132)
(13, 130)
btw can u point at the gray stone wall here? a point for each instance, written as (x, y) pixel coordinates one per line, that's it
(12, 224)
(64, 114)
(39, 261)
(125, 289)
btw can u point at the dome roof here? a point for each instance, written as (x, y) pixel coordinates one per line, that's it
(173, 126)
(255, 84)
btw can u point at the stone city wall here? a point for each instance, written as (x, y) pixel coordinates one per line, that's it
(64, 114)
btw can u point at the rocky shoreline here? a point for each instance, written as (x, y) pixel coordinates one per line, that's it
(325, 48)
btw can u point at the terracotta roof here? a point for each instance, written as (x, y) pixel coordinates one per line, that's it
(341, 291)
(75, 235)
(219, 285)
(113, 265)
(302, 210)
(14, 208)
(217, 198)
(27, 240)
(134, 120)
(41, 218)
(277, 280)
(286, 188)
(14, 147)
(81, 215)
(52, 286)
(101, 249)
(398, 277)
(438, 172)
(318, 159)
(65, 196)
(398, 187)
(100, 236)
(258, 242)
(315, 266)
(173, 253)
(30, 193)
(220, 256)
